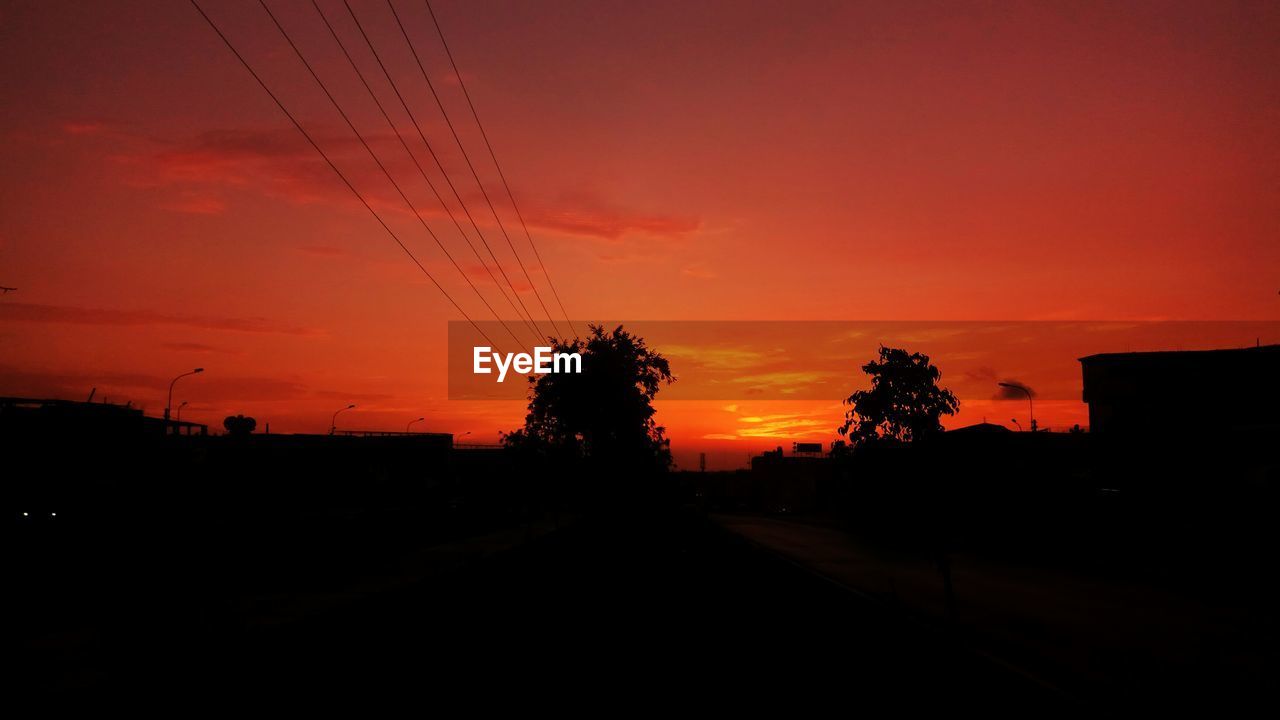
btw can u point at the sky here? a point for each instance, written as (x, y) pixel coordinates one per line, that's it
(708, 161)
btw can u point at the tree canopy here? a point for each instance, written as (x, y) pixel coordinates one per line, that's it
(604, 414)
(904, 403)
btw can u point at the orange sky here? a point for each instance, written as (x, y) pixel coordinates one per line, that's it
(676, 161)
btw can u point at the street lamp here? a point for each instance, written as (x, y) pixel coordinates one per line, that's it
(178, 415)
(333, 424)
(1030, 405)
(411, 422)
(169, 403)
(1015, 422)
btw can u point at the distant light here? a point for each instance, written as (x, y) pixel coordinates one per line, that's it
(25, 514)
(53, 514)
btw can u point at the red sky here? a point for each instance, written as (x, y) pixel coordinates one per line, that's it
(676, 161)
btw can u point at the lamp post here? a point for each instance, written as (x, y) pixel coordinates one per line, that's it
(411, 422)
(1015, 422)
(169, 403)
(1031, 406)
(178, 415)
(333, 424)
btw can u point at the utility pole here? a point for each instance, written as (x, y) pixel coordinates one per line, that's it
(1031, 405)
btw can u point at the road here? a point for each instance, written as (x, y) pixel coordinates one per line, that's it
(661, 609)
(1114, 640)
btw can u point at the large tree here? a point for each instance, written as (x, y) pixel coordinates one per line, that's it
(605, 413)
(904, 403)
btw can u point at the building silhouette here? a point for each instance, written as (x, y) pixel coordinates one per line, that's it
(42, 417)
(1149, 393)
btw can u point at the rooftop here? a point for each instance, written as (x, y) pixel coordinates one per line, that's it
(1183, 354)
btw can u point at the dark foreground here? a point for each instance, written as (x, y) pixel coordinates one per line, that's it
(637, 611)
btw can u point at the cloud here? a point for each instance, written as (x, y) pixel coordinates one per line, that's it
(982, 374)
(279, 163)
(847, 335)
(34, 313)
(776, 417)
(786, 381)
(193, 204)
(350, 397)
(215, 148)
(246, 389)
(1110, 327)
(590, 217)
(83, 127)
(42, 383)
(699, 272)
(795, 427)
(120, 387)
(450, 78)
(724, 358)
(200, 348)
(815, 423)
(926, 335)
(324, 251)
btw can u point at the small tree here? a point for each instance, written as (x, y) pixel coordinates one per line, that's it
(904, 403)
(239, 425)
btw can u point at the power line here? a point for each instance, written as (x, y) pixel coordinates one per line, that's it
(510, 196)
(470, 165)
(384, 170)
(337, 171)
(417, 126)
(438, 164)
(342, 46)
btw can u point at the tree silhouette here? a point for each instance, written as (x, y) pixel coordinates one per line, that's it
(239, 425)
(605, 413)
(904, 403)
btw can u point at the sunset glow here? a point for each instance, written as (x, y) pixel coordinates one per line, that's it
(674, 161)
